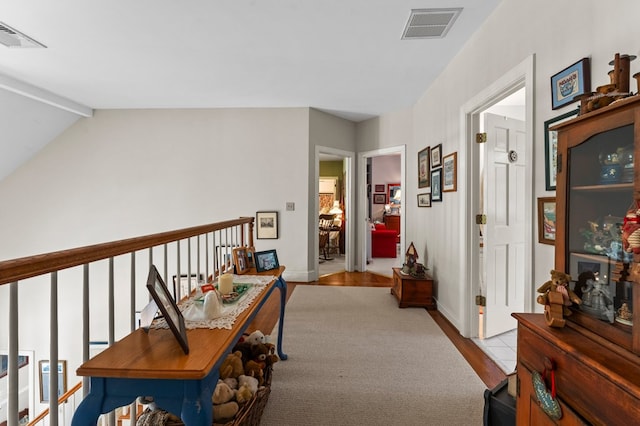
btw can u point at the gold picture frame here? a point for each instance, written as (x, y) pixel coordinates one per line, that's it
(547, 220)
(44, 375)
(450, 173)
(241, 260)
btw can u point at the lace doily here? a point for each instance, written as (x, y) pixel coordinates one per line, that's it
(230, 311)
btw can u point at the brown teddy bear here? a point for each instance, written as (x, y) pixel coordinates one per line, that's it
(556, 296)
(232, 366)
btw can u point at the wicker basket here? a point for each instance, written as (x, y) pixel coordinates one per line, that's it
(248, 415)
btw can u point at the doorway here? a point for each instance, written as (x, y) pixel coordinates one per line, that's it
(518, 83)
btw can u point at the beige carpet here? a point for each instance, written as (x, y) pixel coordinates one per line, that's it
(355, 358)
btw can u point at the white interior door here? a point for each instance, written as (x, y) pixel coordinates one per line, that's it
(505, 231)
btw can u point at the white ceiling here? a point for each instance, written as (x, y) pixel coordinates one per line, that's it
(345, 57)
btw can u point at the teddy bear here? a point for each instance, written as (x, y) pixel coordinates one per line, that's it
(556, 296)
(232, 366)
(224, 405)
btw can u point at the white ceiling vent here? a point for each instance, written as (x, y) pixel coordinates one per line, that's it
(11, 37)
(430, 23)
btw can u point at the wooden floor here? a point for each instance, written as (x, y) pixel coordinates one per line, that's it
(487, 370)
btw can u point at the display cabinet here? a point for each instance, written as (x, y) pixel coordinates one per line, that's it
(597, 184)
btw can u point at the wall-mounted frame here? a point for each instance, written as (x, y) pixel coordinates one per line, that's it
(44, 373)
(379, 188)
(170, 311)
(379, 198)
(266, 260)
(267, 225)
(575, 80)
(551, 149)
(423, 168)
(424, 200)
(241, 260)
(547, 220)
(450, 173)
(436, 156)
(436, 185)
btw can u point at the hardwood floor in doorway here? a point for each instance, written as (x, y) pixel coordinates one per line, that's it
(488, 371)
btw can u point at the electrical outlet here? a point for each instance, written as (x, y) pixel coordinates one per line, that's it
(291, 206)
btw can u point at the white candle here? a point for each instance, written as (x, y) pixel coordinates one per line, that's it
(225, 283)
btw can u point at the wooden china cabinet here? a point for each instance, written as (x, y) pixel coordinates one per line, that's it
(594, 360)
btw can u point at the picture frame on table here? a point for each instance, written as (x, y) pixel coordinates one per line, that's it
(44, 374)
(379, 188)
(436, 156)
(436, 185)
(573, 81)
(241, 260)
(266, 260)
(450, 173)
(424, 200)
(547, 220)
(267, 225)
(187, 284)
(380, 198)
(424, 176)
(551, 148)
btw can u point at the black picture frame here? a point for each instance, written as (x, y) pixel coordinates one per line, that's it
(266, 260)
(267, 225)
(436, 185)
(379, 198)
(424, 200)
(167, 305)
(436, 156)
(424, 168)
(573, 81)
(551, 149)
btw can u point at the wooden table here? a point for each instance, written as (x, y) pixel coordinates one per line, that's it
(412, 291)
(153, 364)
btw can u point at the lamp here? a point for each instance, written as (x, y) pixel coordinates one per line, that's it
(336, 208)
(397, 196)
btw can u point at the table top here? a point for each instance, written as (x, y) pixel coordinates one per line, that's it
(426, 277)
(156, 354)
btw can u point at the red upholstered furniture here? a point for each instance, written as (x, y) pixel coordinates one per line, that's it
(383, 241)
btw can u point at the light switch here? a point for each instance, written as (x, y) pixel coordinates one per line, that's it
(291, 206)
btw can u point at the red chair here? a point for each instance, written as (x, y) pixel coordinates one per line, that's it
(383, 241)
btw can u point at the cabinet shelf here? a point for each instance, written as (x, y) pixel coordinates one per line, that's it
(608, 188)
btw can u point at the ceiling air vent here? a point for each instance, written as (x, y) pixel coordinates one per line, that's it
(11, 37)
(430, 23)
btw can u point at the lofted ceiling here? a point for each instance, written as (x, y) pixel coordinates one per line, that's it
(345, 57)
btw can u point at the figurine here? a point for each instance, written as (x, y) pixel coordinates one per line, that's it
(597, 300)
(411, 265)
(625, 315)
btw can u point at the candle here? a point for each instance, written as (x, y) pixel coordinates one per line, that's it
(225, 283)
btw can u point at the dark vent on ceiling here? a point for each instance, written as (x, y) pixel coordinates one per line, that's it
(11, 37)
(430, 23)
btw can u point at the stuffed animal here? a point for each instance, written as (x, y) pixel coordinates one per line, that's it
(222, 393)
(225, 411)
(243, 394)
(556, 296)
(250, 382)
(256, 337)
(253, 369)
(232, 366)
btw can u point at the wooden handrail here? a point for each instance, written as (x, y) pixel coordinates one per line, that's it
(31, 266)
(63, 398)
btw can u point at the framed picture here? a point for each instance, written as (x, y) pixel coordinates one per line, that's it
(575, 80)
(251, 257)
(172, 315)
(395, 193)
(436, 156)
(450, 172)
(547, 220)
(187, 284)
(379, 188)
(241, 260)
(379, 198)
(424, 200)
(44, 372)
(551, 149)
(266, 260)
(267, 225)
(423, 168)
(436, 185)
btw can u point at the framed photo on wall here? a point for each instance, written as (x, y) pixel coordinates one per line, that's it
(424, 200)
(436, 185)
(379, 188)
(547, 220)
(551, 149)
(379, 198)
(44, 374)
(267, 225)
(575, 80)
(450, 167)
(436, 156)
(423, 168)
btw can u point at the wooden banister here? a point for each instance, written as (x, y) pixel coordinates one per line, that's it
(63, 398)
(31, 266)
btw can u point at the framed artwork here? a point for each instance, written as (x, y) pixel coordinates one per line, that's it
(424, 200)
(379, 198)
(172, 315)
(241, 260)
(251, 257)
(44, 373)
(436, 185)
(436, 156)
(267, 225)
(187, 284)
(450, 172)
(551, 149)
(266, 260)
(423, 168)
(395, 193)
(547, 220)
(379, 188)
(575, 80)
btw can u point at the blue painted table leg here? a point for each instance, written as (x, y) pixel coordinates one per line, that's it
(90, 408)
(282, 285)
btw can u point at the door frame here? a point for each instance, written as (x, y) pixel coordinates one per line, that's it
(348, 158)
(521, 76)
(361, 263)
